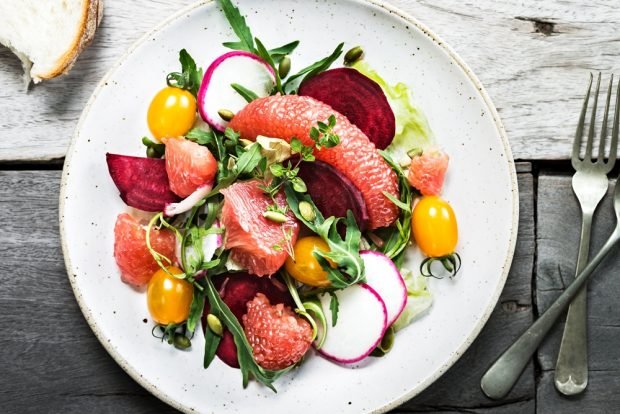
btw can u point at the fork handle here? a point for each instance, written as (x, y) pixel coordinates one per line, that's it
(571, 369)
(506, 370)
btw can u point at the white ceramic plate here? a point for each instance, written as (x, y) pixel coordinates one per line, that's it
(481, 185)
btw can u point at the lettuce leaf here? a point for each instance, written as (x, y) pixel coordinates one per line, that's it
(419, 299)
(412, 128)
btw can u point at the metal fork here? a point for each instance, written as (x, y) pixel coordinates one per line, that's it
(504, 373)
(590, 184)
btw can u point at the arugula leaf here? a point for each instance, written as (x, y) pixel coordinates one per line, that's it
(212, 341)
(263, 53)
(245, 354)
(190, 76)
(248, 160)
(239, 26)
(316, 67)
(333, 307)
(278, 53)
(344, 253)
(195, 310)
(399, 235)
(247, 94)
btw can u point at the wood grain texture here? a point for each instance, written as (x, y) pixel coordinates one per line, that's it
(533, 58)
(558, 228)
(52, 353)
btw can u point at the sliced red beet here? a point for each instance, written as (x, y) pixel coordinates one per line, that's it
(236, 290)
(333, 193)
(357, 97)
(142, 182)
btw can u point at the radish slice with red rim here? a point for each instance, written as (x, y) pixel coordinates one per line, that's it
(362, 321)
(383, 276)
(216, 93)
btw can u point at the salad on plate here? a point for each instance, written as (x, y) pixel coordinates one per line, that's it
(274, 209)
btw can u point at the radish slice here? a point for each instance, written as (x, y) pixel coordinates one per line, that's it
(383, 276)
(243, 68)
(172, 209)
(362, 321)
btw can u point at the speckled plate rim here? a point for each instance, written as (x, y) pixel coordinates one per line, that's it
(477, 327)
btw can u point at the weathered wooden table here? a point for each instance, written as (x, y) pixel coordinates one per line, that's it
(533, 57)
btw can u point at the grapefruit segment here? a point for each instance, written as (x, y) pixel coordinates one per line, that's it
(189, 166)
(131, 254)
(356, 157)
(427, 171)
(236, 290)
(256, 243)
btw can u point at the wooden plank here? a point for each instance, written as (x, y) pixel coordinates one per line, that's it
(51, 352)
(558, 228)
(459, 388)
(533, 57)
(51, 361)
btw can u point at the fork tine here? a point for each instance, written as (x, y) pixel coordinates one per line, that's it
(614, 132)
(601, 145)
(579, 133)
(588, 155)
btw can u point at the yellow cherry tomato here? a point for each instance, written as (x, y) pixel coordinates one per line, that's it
(434, 227)
(169, 298)
(172, 113)
(305, 268)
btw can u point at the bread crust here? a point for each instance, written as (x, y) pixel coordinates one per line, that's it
(92, 12)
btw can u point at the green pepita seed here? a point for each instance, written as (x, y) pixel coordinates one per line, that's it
(306, 211)
(226, 115)
(285, 67)
(152, 152)
(414, 152)
(181, 341)
(146, 141)
(231, 164)
(353, 55)
(274, 216)
(215, 324)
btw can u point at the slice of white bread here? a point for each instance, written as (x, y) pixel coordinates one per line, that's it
(48, 35)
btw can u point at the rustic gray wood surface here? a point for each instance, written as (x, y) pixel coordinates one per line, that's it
(533, 57)
(50, 351)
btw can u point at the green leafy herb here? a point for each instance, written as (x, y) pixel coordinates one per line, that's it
(195, 310)
(343, 252)
(212, 341)
(190, 76)
(305, 152)
(263, 53)
(278, 53)
(239, 26)
(315, 68)
(333, 307)
(245, 93)
(323, 134)
(398, 235)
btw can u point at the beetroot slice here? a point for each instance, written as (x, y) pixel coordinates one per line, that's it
(142, 182)
(333, 193)
(357, 97)
(236, 290)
